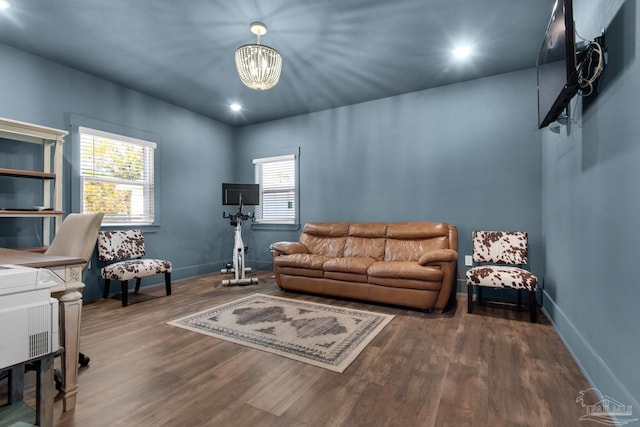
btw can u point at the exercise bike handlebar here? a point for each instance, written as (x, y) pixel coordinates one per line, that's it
(239, 215)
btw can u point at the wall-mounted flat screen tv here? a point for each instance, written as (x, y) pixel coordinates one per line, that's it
(232, 194)
(556, 65)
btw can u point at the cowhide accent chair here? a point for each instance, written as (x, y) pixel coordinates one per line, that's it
(122, 253)
(500, 257)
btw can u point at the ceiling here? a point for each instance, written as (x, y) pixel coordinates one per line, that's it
(335, 52)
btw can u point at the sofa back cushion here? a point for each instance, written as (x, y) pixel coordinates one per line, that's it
(407, 241)
(401, 241)
(325, 238)
(366, 240)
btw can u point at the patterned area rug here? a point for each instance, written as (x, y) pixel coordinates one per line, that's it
(318, 334)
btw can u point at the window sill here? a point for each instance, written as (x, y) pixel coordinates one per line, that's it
(267, 226)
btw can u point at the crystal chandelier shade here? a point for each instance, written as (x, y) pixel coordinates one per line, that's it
(258, 65)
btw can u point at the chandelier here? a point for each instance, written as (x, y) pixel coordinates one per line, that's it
(258, 65)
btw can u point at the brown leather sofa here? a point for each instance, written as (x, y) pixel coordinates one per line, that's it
(411, 264)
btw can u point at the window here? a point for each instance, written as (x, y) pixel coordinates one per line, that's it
(116, 175)
(278, 192)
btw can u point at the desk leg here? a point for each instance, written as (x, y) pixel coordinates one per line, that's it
(70, 311)
(45, 395)
(16, 384)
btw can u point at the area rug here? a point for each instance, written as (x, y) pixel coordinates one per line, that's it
(321, 335)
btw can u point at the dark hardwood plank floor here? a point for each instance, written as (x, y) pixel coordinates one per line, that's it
(491, 368)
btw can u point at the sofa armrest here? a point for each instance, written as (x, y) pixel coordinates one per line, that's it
(437, 256)
(287, 248)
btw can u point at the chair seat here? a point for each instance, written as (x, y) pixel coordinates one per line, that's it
(502, 277)
(135, 268)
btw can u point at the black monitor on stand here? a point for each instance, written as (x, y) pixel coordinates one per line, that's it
(236, 194)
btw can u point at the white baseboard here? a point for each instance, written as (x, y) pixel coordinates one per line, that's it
(585, 355)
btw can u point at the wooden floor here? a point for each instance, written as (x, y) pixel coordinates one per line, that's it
(491, 368)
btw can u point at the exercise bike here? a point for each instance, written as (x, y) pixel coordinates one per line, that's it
(238, 267)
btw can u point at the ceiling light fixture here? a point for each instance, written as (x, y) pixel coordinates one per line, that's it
(4, 4)
(462, 51)
(258, 65)
(235, 106)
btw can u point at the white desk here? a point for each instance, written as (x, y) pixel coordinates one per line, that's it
(70, 297)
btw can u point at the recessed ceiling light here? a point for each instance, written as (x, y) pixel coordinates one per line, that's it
(462, 51)
(4, 4)
(235, 107)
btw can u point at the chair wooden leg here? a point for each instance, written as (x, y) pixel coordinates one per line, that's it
(167, 283)
(533, 306)
(479, 294)
(469, 298)
(105, 294)
(138, 280)
(519, 299)
(125, 292)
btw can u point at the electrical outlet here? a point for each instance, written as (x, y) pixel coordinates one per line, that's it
(468, 260)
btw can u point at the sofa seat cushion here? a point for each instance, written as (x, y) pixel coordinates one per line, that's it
(309, 261)
(405, 270)
(350, 269)
(405, 274)
(301, 272)
(502, 277)
(355, 265)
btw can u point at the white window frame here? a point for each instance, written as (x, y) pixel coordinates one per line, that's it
(145, 215)
(258, 173)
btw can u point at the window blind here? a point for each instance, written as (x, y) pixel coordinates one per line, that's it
(277, 179)
(117, 177)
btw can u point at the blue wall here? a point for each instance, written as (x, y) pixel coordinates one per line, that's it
(467, 154)
(194, 157)
(591, 200)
